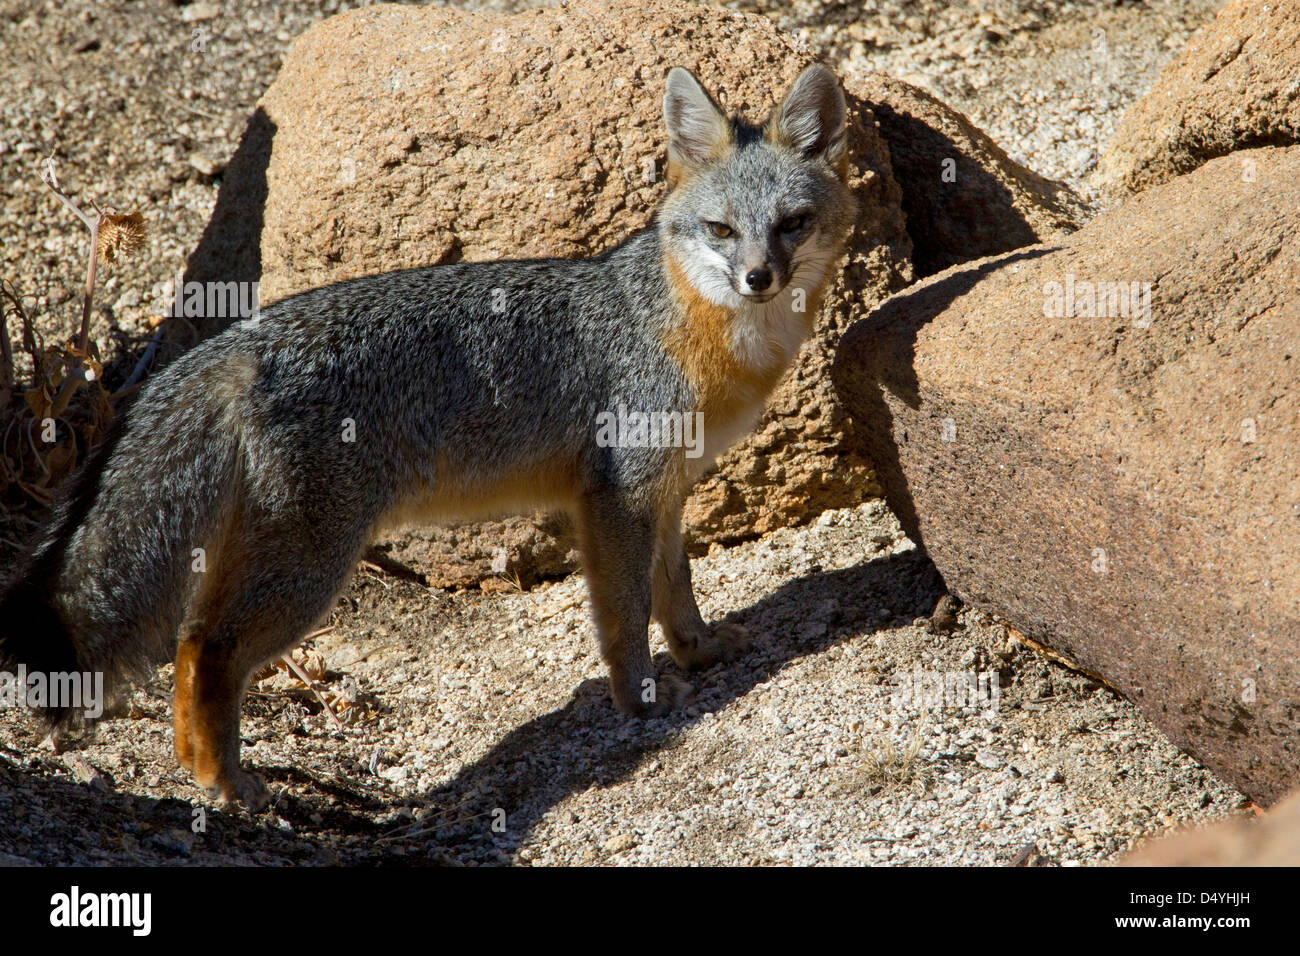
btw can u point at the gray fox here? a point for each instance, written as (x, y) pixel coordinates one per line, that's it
(279, 448)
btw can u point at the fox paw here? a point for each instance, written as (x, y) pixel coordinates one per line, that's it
(723, 641)
(655, 698)
(241, 788)
(669, 693)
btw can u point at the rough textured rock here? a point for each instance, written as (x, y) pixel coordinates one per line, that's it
(1273, 840)
(516, 551)
(1121, 490)
(401, 136)
(963, 196)
(1236, 86)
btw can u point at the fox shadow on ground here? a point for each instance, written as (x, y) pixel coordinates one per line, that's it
(52, 820)
(586, 743)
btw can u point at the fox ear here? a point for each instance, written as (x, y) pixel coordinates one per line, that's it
(811, 117)
(697, 128)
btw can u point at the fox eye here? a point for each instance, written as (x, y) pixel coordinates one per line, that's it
(720, 229)
(792, 223)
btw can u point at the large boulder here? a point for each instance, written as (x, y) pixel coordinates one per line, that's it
(1118, 480)
(398, 136)
(963, 196)
(1235, 86)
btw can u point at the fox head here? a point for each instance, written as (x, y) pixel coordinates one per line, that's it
(756, 213)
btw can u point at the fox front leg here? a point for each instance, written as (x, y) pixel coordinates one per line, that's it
(692, 643)
(618, 546)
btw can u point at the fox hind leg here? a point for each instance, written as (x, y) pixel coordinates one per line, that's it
(187, 653)
(220, 682)
(253, 618)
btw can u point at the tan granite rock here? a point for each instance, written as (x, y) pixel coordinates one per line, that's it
(963, 196)
(1235, 86)
(1120, 484)
(1271, 840)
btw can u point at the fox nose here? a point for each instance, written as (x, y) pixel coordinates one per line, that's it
(759, 279)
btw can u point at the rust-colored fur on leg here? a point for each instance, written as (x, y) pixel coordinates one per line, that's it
(221, 679)
(209, 688)
(205, 717)
(269, 580)
(187, 652)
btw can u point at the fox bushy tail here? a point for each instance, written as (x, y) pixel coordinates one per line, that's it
(104, 587)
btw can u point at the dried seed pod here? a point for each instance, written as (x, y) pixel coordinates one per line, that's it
(120, 234)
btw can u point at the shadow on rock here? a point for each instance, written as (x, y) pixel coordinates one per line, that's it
(879, 353)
